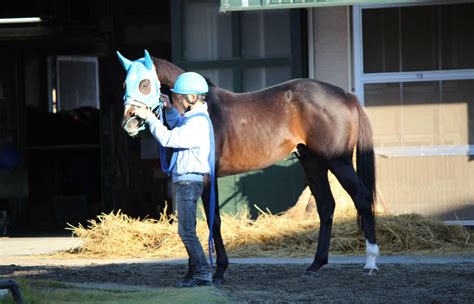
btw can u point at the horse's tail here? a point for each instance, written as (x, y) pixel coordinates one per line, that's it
(365, 158)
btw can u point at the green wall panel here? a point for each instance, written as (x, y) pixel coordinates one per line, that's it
(276, 188)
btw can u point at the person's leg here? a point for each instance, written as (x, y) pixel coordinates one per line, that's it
(187, 194)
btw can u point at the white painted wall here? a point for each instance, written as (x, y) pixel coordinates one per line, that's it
(330, 45)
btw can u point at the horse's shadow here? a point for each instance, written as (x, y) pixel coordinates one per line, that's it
(276, 188)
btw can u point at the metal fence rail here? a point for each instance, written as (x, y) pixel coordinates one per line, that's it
(457, 150)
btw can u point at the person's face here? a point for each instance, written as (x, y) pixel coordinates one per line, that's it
(183, 101)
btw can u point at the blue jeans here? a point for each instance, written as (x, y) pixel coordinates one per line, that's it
(187, 195)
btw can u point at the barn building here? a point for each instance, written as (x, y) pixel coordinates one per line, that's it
(64, 157)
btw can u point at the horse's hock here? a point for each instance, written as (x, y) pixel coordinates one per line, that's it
(305, 207)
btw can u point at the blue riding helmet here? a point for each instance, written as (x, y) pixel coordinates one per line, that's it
(137, 71)
(190, 83)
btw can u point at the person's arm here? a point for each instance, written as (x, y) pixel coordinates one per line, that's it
(172, 115)
(189, 135)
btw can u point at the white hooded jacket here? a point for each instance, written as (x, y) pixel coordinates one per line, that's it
(189, 134)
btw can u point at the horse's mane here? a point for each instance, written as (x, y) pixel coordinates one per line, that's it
(209, 82)
(166, 70)
(171, 69)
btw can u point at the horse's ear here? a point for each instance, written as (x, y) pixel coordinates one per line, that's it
(124, 61)
(148, 61)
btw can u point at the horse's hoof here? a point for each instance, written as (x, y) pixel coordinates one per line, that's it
(217, 282)
(370, 271)
(310, 274)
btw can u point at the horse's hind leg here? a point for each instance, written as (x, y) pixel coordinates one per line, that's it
(316, 171)
(222, 262)
(344, 171)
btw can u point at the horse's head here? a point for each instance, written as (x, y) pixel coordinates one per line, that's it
(142, 89)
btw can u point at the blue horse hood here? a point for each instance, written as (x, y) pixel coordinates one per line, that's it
(138, 72)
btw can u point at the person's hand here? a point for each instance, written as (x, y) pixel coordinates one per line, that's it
(166, 101)
(142, 113)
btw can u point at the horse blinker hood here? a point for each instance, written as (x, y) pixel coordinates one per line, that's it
(141, 84)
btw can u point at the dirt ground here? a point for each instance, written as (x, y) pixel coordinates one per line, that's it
(283, 283)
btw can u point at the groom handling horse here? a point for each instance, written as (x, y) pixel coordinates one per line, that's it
(189, 134)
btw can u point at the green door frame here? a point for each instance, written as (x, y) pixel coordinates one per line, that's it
(247, 5)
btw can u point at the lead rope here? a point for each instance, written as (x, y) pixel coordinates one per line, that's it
(212, 164)
(167, 168)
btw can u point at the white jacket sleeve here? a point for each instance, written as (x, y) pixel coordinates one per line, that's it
(189, 135)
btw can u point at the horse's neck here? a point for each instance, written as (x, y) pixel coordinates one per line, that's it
(167, 72)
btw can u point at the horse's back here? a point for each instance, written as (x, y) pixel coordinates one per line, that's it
(257, 129)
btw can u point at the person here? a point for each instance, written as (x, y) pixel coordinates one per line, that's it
(189, 134)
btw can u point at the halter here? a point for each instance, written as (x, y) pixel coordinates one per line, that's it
(141, 122)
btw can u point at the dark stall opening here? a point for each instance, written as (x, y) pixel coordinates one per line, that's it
(63, 157)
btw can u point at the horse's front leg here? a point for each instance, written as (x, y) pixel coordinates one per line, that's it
(222, 262)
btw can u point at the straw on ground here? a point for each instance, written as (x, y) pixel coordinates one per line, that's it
(293, 233)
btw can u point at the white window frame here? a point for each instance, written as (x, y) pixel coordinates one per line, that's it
(361, 79)
(54, 79)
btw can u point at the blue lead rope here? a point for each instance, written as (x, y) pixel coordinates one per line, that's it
(212, 164)
(168, 168)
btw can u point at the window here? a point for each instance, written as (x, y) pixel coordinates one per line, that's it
(418, 38)
(415, 73)
(242, 51)
(425, 113)
(73, 82)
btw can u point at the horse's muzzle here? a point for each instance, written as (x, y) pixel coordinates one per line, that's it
(133, 125)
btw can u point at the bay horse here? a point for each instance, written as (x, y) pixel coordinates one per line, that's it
(322, 124)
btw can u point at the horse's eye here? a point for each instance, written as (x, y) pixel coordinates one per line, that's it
(144, 86)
